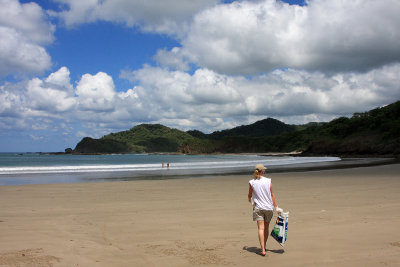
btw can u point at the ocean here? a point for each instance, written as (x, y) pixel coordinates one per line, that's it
(35, 168)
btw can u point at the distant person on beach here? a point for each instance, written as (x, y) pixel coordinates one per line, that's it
(260, 191)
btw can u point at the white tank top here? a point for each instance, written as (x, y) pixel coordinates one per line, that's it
(262, 193)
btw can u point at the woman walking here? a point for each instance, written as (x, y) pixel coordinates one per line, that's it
(260, 190)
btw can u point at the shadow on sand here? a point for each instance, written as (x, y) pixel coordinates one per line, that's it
(258, 250)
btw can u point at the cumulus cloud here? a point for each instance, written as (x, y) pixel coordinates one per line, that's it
(210, 101)
(168, 16)
(54, 94)
(37, 103)
(173, 58)
(24, 30)
(253, 59)
(55, 103)
(251, 37)
(10, 102)
(204, 100)
(96, 92)
(28, 19)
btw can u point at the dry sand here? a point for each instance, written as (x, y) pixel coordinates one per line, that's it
(344, 217)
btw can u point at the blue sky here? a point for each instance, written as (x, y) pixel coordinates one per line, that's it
(105, 47)
(72, 68)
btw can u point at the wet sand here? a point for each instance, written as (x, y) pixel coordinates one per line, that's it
(342, 217)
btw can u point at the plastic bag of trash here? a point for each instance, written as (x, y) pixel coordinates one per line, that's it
(279, 233)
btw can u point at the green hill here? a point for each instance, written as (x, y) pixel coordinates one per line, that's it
(376, 132)
(92, 146)
(151, 138)
(139, 139)
(266, 127)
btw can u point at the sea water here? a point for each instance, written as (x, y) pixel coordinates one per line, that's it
(35, 168)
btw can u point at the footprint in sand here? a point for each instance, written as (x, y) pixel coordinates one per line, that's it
(196, 253)
(27, 257)
(395, 244)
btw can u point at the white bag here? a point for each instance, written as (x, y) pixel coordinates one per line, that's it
(279, 233)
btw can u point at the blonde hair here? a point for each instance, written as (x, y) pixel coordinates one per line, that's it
(257, 174)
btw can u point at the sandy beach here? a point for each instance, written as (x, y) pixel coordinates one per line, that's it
(342, 217)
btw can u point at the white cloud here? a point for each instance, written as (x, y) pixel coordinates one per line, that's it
(19, 55)
(10, 102)
(172, 59)
(27, 19)
(61, 79)
(168, 16)
(202, 98)
(53, 95)
(100, 106)
(37, 104)
(96, 92)
(254, 59)
(24, 30)
(252, 37)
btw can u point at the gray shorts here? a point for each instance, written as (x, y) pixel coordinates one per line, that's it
(262, 215)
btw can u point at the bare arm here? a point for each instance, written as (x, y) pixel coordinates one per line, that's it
(273, 197)
(250, 195)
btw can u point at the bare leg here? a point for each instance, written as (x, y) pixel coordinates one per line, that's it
(266, 233)
(261, 236)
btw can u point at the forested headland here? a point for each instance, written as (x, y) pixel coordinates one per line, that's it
(372, 133)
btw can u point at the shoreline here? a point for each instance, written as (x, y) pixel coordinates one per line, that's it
(172, 174)
(341, 217)
(344, 163)
(275, 154)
